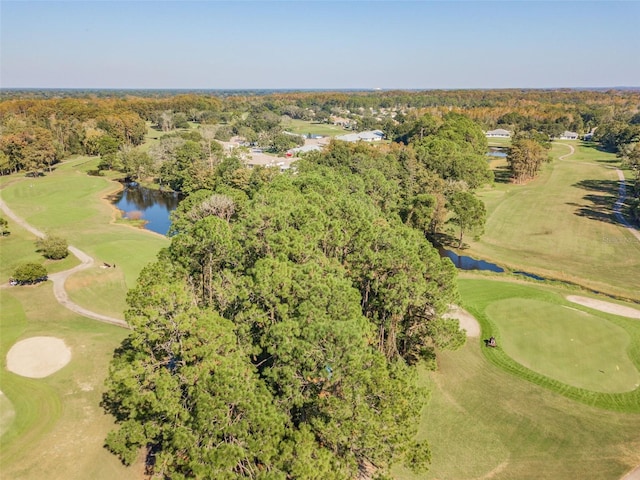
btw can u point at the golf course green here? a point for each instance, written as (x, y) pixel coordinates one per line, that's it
(558, 398)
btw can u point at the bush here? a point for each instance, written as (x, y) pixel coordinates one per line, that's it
(4, 227)
(52, 247)
(28, 273)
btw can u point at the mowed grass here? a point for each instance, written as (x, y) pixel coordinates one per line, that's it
(562, 225)
(20, 247)
(578, 348)
(54, 427)
(57, 429)
(483, 422)
(488, 421)
(303, 127)
(70, 203)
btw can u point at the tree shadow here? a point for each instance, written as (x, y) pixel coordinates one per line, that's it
(598, 148)
(599, 203)
(502, 174)
(443, 239)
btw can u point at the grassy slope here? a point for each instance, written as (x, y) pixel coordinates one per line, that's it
(483, 420)
(70, 203)
(561, 225)
(57, 427)
(302, 127)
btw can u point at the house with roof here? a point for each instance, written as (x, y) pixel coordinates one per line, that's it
(499, 132)
(566, 135)
(368, 136)
(303, 149)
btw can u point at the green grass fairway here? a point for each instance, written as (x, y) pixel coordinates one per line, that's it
(520, 314)
(483, 422)
(499, 141)
(487, 420)
(564, 343)
(70, 203)
(19, 247)
(561, 225)
(58, 427)
(303, 127)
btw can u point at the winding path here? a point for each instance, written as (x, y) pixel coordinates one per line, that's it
(60, 278)
(622, 193)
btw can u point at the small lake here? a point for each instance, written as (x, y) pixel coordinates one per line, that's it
(463, 262)
(499, 152)
(468, 263)
(153, 206)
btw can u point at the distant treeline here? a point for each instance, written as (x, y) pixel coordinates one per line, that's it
(40, 127)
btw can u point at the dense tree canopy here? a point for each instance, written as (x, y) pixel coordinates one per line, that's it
(313, 309)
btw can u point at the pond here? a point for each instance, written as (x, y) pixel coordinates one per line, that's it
(499, 152)
(153, 206)
(468, 263)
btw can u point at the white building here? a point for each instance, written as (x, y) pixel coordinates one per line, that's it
(568, 135)
(370, 136)
(500, 132)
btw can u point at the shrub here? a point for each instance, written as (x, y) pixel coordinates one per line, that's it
(28, 273)
(4, 227)
(53, 247)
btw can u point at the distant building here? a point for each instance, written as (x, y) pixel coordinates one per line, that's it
(587, 137)
(500, 132)
(304, 149)
(369, 136)
(341, 121)
(566, 135)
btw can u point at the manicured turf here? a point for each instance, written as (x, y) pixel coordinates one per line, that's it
(19, 247)
(303, 127)
(487, 419)
(499, 142)
(71, 204)
(58, 428)
(562, 225)
(483, 422)
(485, 299)
(564, 343)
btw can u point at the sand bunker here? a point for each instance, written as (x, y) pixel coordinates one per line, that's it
(38, 357)
(467, 321)
(606, 307)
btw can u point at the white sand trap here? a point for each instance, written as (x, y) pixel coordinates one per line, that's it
(467, 321)
(606, 307)
(38, 357)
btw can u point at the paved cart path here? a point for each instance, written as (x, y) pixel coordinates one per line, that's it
(60, 278)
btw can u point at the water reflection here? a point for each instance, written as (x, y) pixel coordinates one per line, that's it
(152, 206)
(499, 152)
(467, 263)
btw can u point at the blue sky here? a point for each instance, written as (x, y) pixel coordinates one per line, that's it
(319, 44)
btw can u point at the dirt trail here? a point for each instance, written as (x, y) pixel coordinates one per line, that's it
(60, 278)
